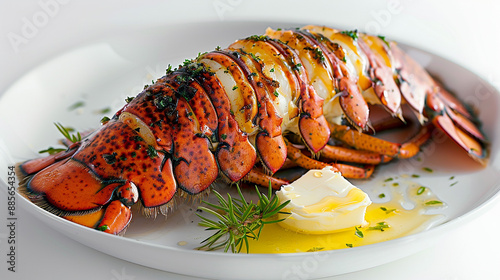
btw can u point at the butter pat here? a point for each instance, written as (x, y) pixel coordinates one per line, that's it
(322, 201)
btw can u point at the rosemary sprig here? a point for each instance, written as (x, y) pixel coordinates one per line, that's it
(51, 150)
(238, 220)
(65, 132)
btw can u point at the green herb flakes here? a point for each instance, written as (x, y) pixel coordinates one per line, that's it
(76, 105)
(103, 228)
(427, 169)
(434, 202)
(387, 211)
(315, 249)
(152, 153)
(358, 232)
(351, 33)
(420, 190)
(380, 226)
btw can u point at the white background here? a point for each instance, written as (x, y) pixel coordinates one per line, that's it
(464, 32)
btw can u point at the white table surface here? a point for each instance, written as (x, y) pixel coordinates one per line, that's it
(463, 32)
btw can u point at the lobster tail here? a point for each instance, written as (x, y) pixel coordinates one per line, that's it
(220, 112)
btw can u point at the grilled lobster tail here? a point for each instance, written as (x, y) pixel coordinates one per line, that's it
(239, 113)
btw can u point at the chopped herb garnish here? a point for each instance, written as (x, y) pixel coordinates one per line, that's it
(104, 120)
(152, 152)
(382, 195)
(103, 111)
(385, 41)
(103, 228)
(395, 184)
(358, 232)
(420, 190)
(129, 99)
(163, 102)
(276, 93)
(454, 183)
(258, 38)
(388, 179)
(351, 33)
(315, 249)
(297, 66)
(433, 202)
(427, 169)
(415, 176)
(380, 226)
(452, 177)
(272, 70)
(137, 138)
(256, 58)
(109, 158)
(235, 87)
(317, 54)
(169, 70)
(348, 245)
(223, 136)
(387, 211)
(76, 105)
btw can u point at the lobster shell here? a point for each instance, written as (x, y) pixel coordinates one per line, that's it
(230, 110)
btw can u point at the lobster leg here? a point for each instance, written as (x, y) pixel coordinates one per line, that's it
(369, 143)
(351, 155)
(465, 141)
(258, 177)
(347, 171)
(456, 125)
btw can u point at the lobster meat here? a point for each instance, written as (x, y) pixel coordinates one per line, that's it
(243, 113)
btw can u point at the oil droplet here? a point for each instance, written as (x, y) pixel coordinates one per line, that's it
(182, 243)
(318, 174)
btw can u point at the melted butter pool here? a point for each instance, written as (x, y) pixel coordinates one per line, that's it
(404, 214)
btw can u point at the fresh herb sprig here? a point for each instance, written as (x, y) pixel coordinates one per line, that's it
(238, 220)
(51, 150)
(66, 133)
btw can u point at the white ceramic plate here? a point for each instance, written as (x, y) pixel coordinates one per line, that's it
(104, 73)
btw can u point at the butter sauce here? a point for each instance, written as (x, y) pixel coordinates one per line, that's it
(403, 212)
